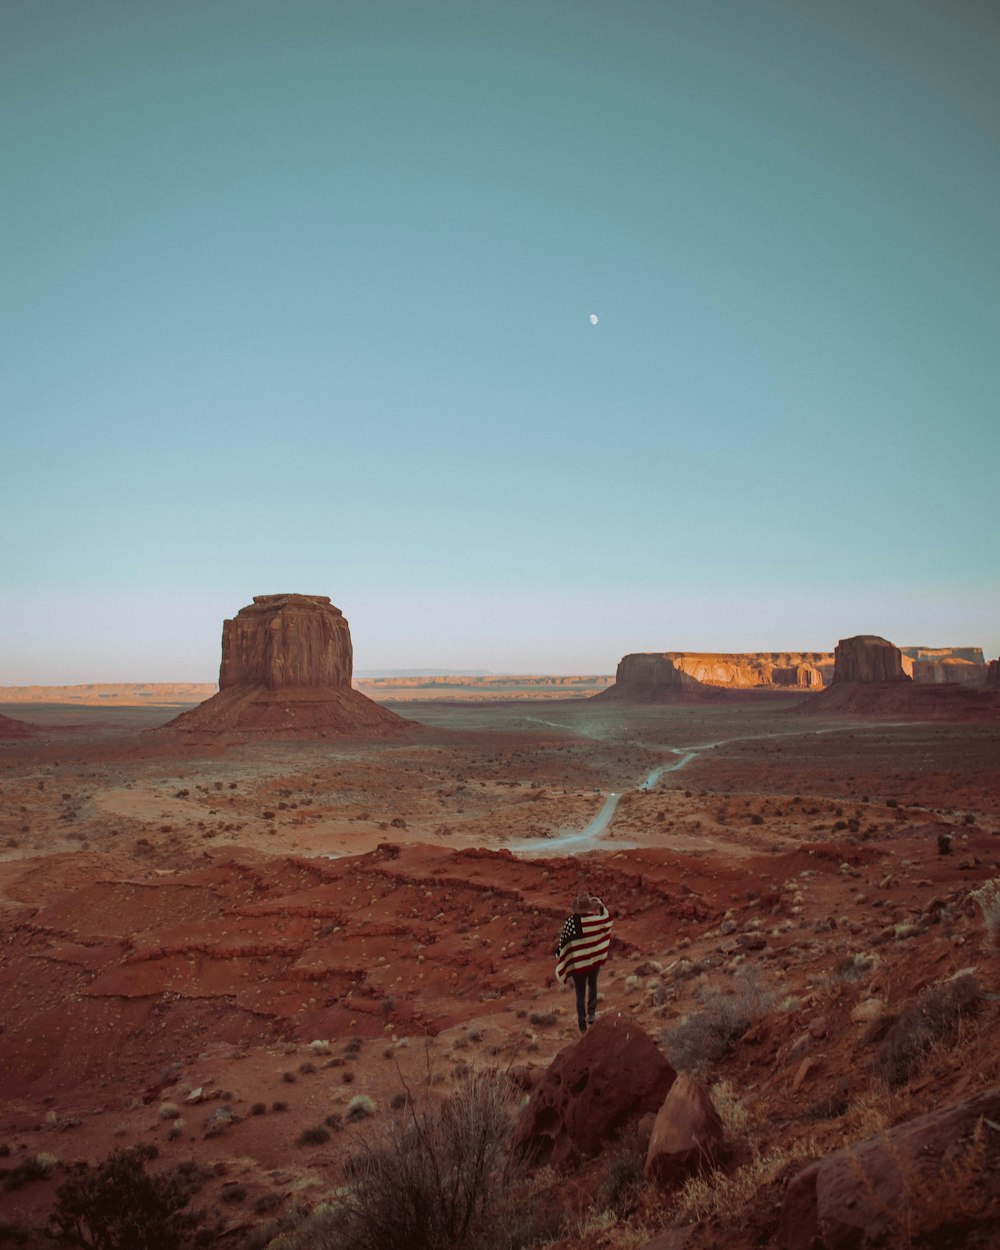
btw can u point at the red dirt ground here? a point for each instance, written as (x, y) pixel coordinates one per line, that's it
(179, 917)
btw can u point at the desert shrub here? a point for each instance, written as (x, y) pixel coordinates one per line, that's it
(987, 898)
(359, 1108)
(12, 1234)
(439, 1178)
(726, 1196)
(705, 1036)
(313, 1136)
(543, 1019)
(855, 967)
(934, 1018)
(118, 1206)
(624, 1164)
(34, 1168)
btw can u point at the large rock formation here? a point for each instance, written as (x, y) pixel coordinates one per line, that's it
(936, 666)
(651, 677)
(609, 1078)
(993, 674)
(870, 676)
(286, 669)
(867, 658)
(876, 1191)
(687, 1135)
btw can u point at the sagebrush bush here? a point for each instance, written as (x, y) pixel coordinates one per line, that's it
(935, 1017)
(705, 1036)
(987, 898)
(118, 1206)
(438, 1178)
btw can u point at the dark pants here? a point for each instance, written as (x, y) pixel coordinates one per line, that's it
(586, 996)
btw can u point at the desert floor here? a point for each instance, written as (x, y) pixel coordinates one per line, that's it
(180, 923)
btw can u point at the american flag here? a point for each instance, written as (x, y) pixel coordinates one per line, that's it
(584, 943)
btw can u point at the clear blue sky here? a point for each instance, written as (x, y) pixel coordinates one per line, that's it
(295, 297)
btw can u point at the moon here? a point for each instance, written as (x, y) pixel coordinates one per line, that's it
(593, 319)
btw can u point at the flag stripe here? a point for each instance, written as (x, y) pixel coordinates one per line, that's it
(589, 950)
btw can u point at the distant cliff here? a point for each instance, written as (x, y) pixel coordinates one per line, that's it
(935, 666)
(650, 677)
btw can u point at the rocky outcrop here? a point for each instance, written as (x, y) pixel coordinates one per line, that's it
(611, 1077)
(937, 666)
(286, 670)
(867, 658)
(993, 675)
(11, 728)
(287, 640)
(652, 677)
(876, 1191)
(687, 1135)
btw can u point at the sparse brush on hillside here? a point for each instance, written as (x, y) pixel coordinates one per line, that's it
(118, 1206)
(934, 1018)
(987, 898)
(442, 1178)
(705, 1036)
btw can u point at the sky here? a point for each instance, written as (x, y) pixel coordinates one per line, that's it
(297, 296)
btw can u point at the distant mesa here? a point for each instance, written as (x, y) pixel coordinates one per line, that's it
(936, 666)
(286, 672)
(993, 674)
(867, 658)
(870, 675)
(670, 676)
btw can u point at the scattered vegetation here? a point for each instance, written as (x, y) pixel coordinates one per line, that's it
(442, 1178)
(706, 1036)
(934, 1018)
(987, 898)
(118, 1206)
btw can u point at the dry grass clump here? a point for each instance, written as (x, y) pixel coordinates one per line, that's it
(934, 1018)
(987, 898)
(440, 1177)
(624, 1165)
(705, 1036)
(727, 1196)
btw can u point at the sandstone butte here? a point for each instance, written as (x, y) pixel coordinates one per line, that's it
(652, 677)
(865, 673)
(287, 662)
(870, 675)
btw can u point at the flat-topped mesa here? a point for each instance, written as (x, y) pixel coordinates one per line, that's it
(935, 666)
(652, 676)
(867, 658)
(287, 640)
(286, 671)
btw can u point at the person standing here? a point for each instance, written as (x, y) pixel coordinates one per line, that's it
(583, 947)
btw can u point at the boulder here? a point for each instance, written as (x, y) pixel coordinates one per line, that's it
(926, 1172)
(611, 1077)
(867, 658)
(286, 671)
(687, 1135)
